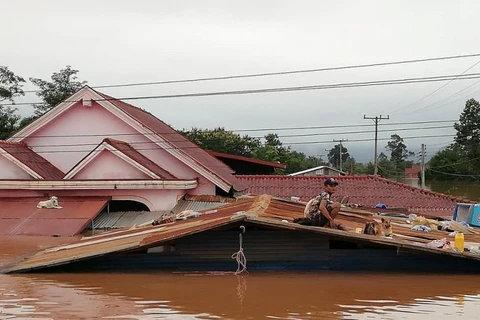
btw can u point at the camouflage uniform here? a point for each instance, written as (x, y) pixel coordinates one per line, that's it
(318, 219)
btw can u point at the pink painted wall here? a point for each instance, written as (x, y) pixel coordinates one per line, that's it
(9, 170)
(71, 136)
(155, 200)
(108, 165)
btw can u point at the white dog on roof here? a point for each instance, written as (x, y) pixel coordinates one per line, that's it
(49, 204)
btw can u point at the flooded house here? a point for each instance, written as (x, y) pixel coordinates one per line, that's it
(93, 153)
(260, 233)
(132, 193)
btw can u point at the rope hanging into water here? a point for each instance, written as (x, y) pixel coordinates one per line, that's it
(240, 256)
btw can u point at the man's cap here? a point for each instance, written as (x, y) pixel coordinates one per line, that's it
(330, 182)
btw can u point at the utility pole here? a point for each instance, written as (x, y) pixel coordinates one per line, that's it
(376, 120)
(341, 140)
(422, 165)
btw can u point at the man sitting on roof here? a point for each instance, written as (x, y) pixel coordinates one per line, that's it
(322, 210)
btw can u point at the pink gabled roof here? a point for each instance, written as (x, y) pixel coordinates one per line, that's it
(364, 190)
(133, 154)
(178, 141)
(32, 160)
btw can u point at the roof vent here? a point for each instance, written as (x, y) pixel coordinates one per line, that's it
(87, 102)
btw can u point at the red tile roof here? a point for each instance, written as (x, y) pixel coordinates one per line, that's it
(32, 160)
(247, 159)
(177, 140)
(364, 190)
(414, 170)
(133, 154)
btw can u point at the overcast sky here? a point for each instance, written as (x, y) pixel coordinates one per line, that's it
(117, 42)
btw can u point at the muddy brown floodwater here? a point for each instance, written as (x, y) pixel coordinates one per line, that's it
(258, 295)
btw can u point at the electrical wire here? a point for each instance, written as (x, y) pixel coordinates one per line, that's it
(434, 91)
(248, 130)
(455, 174)
(254, 137)
(437, 105)
(282, 89)
(255, 75)
(198, 147)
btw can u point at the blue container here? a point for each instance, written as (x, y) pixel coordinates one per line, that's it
(475, 219)
(467, 212)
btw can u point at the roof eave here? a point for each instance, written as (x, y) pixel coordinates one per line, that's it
(97, 184)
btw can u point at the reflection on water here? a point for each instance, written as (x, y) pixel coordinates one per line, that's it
(463, 189)
(326, 295)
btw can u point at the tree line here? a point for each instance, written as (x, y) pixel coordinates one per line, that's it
(460, 160)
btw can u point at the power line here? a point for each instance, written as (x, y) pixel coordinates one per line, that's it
(265, 74)
(457, 163)
(257, 129)
(255, 137)
(455, 174)
(434, 91)
(438, 104)
(198, 147)
(285, 89)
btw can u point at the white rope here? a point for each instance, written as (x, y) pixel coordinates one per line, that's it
(240, 256)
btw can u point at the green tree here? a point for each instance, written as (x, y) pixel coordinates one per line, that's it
(8, 122)
(10, 85)
(271, 149)
(63, 85)
(10, 88)
(461, 160)
(467, 138)
(352, 166)
(398, 150)
(221, 140)
(386, 167)
(447, 164)
(334, 155)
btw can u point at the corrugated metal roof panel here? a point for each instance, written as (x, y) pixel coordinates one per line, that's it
(126, 219)
(261, 211)
(69, 220)
(106, 220)
(130, 219)
(195, 205)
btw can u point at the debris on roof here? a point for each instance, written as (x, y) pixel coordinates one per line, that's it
(261, 211)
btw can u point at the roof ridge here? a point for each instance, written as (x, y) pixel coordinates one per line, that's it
(108, 97)
(108, 140)
(20, 143)
(144, 160)
(361, 177)
(430, 192)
